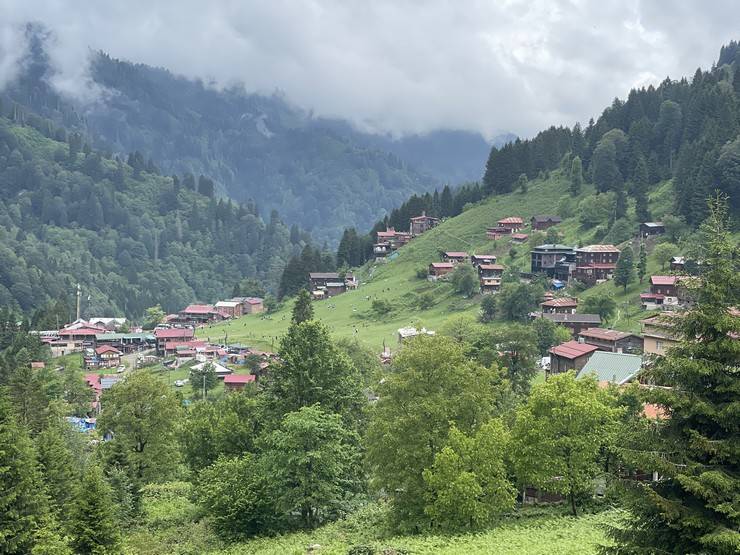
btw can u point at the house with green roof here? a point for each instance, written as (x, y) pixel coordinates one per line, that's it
(616, 368)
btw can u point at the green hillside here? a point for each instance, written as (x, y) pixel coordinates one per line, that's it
(397, 282)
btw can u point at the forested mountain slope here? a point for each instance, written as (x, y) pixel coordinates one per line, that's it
(323, 175)
(131, 237)
(687, 130)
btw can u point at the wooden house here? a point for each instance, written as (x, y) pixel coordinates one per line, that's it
(505, 226)
(478, 259)
(163, 335)
(440, 269)
(199, 314)
(678, 264)
(555, 261)
(231, 308)
(648, 229)
(574, 322)
(570, 355)
(562, 305)
(612, 340)
(490, 285)
(237, 382)
(489, 271)
(253, 305)
(455, 257)
(421, 224)
(107, 357)
(544, 221)
(519, 238)
(595, 263)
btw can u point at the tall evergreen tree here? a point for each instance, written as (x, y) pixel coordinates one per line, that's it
(639, 189)
(624, 274)
(58, 467)
(93, 520)
(302, 307)
(692, 507)
(22, 501)
(642, 263)
(576, 176)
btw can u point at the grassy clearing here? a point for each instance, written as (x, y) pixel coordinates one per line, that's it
(171, 523)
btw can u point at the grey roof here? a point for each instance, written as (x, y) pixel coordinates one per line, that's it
(560, 318)
(615, 368)
(555, 247)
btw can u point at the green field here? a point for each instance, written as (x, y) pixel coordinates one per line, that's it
(396, 281)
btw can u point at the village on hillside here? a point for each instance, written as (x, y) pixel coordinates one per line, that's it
(110, 346)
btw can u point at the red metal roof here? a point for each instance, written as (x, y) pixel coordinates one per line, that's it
(442, 265)
(519, 236)
(491, 267)
(239, 378)
(170, 333)
(663, 280)
(198, 309)
(573, 349)
(511, 220)
(170, 345)
(484, 256)
(106, 349)
(456, 254)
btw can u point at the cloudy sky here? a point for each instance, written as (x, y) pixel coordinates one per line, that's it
(395, 65)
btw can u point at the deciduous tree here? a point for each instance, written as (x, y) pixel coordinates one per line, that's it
(559, 434)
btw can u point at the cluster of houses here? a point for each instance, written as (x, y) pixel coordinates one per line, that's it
(389, 241)
(202, 314)
(489, 273)
(324, 285)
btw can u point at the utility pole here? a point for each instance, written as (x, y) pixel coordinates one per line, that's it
(78, 301)
(204, 387)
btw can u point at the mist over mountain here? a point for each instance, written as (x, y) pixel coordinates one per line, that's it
(320, 174)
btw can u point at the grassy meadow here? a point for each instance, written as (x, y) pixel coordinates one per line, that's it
(397, 282)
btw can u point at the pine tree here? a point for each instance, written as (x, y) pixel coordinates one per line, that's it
(93, 520)
(639, 189)
(692, 507)
(57, 465)
(302, 308)
(625, 271)
(22, 501)
(642, 263)
(576, 176)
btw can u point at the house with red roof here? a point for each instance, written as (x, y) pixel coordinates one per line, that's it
(519, 238)
(105, 356)
(505, 226)
(489, 271)
(570, 355)
(612, 341)
(237, 382)
(200, 314)
(164, 335)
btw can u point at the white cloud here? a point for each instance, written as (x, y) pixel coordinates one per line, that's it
(397, 65)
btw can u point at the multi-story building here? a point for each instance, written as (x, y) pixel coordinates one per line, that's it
(595, 263)
(555, 261)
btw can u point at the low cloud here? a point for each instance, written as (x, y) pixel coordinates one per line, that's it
(393, 65)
